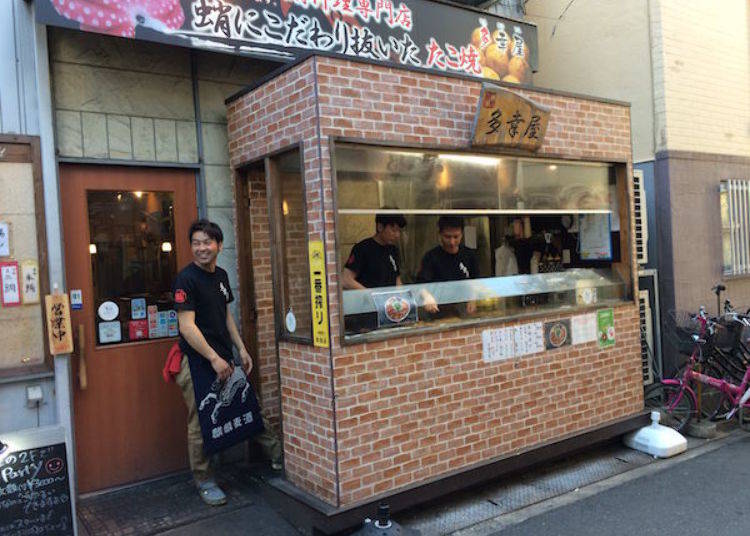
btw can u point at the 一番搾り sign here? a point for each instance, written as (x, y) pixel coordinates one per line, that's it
(413, 33)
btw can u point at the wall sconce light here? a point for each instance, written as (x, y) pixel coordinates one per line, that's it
(138, 194)
(166, 247)
(552, 167)
(285, 207)
(92, 249)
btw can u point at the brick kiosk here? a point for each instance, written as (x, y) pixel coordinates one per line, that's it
(419, 414)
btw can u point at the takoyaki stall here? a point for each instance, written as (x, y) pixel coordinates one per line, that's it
(443, 277)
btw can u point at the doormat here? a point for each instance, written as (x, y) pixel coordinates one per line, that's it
(163, 504)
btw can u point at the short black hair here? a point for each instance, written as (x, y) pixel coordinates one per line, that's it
(390, 219)
(210, 228)
(450, 222)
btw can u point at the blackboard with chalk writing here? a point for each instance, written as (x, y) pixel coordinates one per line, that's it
(35, 494)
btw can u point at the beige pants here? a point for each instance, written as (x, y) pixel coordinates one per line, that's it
(199, 463)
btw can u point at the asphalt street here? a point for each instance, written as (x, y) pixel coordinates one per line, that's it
(707, 494)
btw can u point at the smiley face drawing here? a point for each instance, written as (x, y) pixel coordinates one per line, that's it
(54, 466)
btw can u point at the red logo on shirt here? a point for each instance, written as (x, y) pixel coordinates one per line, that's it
(180, 296)
(351, 260)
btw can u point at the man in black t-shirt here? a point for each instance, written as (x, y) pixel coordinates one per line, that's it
(374, 262)
(449, 261)
(207, 333)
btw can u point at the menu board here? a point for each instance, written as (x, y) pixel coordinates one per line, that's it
(35, 495)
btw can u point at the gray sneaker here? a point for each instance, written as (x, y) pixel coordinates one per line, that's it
(211, 493)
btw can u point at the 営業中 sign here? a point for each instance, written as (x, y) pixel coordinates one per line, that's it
(59, 331)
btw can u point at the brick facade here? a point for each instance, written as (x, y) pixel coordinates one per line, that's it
(362, 420)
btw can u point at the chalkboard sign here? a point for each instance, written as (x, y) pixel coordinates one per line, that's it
(35, 494)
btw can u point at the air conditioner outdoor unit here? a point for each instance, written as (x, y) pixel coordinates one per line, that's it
(647, 337)
(640, 218)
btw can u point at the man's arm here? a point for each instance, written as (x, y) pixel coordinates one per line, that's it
(234, 334)
(197, 342)
(349, 281)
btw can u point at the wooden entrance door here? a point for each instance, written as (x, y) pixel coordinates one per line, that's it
(125, 235)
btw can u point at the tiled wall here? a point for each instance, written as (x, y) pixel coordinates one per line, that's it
(413, 408)
(701, 63)
(123, 99)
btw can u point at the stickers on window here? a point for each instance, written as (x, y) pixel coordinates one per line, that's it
(76, 299)
(138, 308)
(109, 332)
(108, 311)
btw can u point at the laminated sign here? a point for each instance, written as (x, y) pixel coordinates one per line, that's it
(318, 296)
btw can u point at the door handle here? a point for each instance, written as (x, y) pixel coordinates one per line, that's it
(83, 380)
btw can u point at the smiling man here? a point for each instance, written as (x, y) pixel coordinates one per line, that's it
(207, 333)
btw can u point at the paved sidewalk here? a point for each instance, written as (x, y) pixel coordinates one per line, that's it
(702, 493)
(172, 506)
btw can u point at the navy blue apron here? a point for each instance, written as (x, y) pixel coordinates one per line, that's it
(228, 411)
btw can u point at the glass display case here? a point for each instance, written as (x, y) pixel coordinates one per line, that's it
(544, 235)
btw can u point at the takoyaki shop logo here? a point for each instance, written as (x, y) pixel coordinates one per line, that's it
(418, 33)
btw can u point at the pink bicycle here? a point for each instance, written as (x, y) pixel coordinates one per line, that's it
(676, 399)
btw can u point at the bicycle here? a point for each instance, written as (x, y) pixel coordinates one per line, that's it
(676, 399)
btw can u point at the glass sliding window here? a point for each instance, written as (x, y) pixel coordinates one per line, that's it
(485, 236)
(290, 238)
(133, 264)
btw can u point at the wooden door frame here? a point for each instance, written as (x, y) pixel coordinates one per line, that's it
(246, 273)
(27, 150)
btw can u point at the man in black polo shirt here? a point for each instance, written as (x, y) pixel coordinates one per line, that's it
(207, 333)
(374, 262)
(449, 261)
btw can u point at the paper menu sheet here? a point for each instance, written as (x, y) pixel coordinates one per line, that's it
(595, 239)
(528, 338)
(583, 328)
(497, 344)
(516, 341)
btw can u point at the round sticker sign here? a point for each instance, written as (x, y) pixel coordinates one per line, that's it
(396, 308)
(108, 310)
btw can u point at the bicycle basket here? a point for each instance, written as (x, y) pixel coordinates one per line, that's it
(680, 327)
(728, 334)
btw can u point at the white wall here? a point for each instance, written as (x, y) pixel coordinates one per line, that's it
(600, 48)
(702, 75)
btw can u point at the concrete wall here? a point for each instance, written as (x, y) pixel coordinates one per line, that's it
(701, 63)
(601, 48)
(19, 114)
(119, 99)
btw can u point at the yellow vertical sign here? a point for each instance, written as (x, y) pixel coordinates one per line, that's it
(318, 295)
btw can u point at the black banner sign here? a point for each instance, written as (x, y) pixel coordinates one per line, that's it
(416, 33)
(34, 492)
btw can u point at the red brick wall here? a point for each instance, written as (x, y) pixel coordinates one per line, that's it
(277, 115)
(412, 408)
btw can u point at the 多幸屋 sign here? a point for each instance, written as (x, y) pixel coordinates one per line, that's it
(506, 119)
(413, 33)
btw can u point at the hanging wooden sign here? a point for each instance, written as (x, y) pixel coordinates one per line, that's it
(59, 330)
(506, 119)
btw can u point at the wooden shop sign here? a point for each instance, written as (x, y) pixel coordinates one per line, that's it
(505, 119)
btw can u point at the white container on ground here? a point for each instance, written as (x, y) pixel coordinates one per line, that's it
(657, 440)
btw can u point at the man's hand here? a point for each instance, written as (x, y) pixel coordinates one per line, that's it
(429, 303)
(247, 361)
(222, 368)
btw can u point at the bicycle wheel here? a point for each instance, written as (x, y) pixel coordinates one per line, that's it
(714, 404)
(673, 402)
